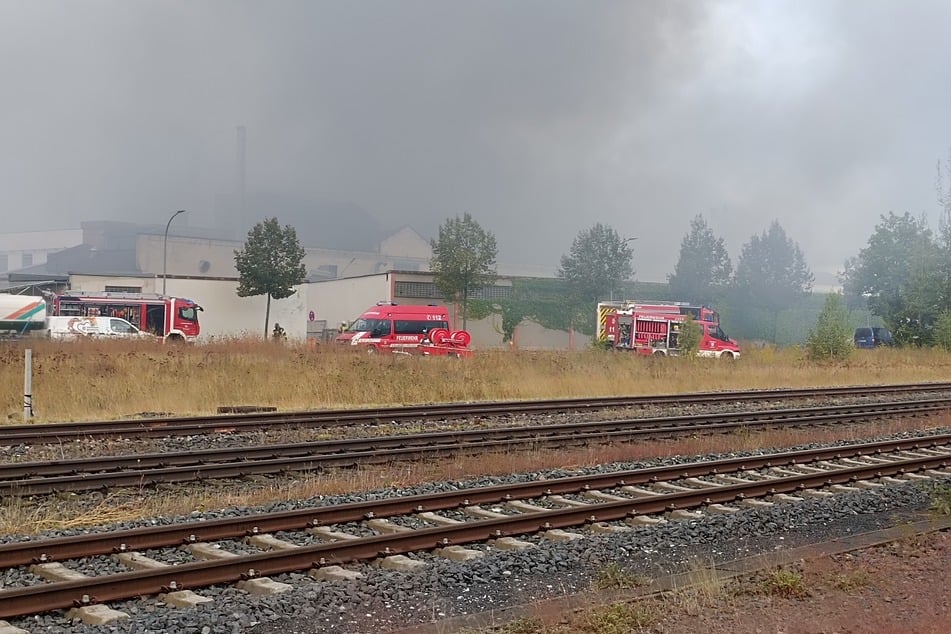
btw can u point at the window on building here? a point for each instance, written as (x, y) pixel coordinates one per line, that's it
(27, 260)
(428, 290)
(425, 290)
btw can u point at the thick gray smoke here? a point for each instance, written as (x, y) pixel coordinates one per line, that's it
(539, 117)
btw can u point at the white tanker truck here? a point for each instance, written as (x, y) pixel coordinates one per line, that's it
(21, 313)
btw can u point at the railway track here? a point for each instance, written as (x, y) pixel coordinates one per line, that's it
(234, 423)
(452, 524)
(141, 470)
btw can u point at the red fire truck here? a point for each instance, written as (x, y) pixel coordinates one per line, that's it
(655, 327)
(406, 329)
(172, 318)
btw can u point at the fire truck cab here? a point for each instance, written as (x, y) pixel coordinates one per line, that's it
(406, 329)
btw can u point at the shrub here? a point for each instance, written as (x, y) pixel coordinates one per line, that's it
(942, 330)
(831, 338)
(689, 339)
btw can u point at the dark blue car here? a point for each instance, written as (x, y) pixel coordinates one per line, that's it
(873, 337)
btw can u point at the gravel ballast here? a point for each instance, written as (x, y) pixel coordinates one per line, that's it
(384, 599)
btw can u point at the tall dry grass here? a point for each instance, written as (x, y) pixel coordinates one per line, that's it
(104, 379)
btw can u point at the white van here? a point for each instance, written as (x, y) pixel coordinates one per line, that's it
(98, 327)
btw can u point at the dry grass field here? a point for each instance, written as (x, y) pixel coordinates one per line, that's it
(107, 380)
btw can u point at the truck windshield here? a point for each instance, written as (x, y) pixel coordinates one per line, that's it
(714, 331)
(376, 327)
(188, 314)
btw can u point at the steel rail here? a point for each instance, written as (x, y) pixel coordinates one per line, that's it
(40, 478)
(105, 588)
(233, 423)
(76, 546)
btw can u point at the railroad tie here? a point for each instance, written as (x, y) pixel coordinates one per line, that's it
(435, 518)
(607, 497)
(525, 507)
(401, 562)
(90, 614)
(639, 492)
(891, 480)
(720, 509)
(808, 469)
(458, 553)
(669, 486)
(843, 488)
(867, 484)
(386, 527)
(510, 543)
(605, 528)
(203, 550)
(96, 614)
(56, 571)
(327, 534)
(785, 472)
(334, 573)
(137, 561)
(736, 480)
(915, 476)
(644, 520)
(754, 503)
(562, 500)
(559, 535)
(703, 484)
(263, 586)
(478, 511)
(785, 497)
(683, 515)
(267, 541)
(183, 599)
(856, 462)
(812, 493)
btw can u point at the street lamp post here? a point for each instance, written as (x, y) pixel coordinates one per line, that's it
(165, 249)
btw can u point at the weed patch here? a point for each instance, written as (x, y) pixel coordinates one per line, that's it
(614, 577)
(784, 583)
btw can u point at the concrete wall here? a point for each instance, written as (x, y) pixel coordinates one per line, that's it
(225, 314)
(334, 301)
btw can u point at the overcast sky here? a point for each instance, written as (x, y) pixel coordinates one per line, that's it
(538, 117)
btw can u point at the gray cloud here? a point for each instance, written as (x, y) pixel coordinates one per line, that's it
(539, 117)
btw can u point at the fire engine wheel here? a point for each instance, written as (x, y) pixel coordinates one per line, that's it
(174, 339)
(372, 350)
(726, 355)
(659, 353)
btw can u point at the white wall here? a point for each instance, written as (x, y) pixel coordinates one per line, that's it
(345, 299)
(225, 314)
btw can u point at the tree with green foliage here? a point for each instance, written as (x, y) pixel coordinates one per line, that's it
(942, 330)
(270, 263)
(691, 334)
(831, 338)
(598, 262)
(772, 274)
(704, 271)
(463, 260)
(900, 276)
